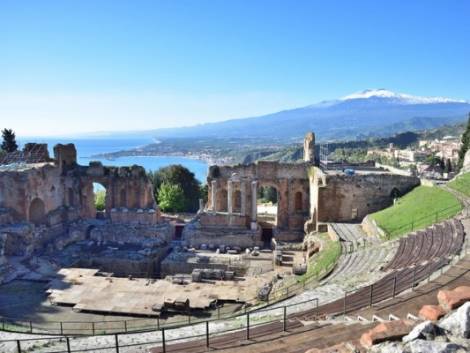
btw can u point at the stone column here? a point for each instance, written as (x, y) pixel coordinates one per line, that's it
(243, 198)
(254, 206)
(229, 196)
(213, 195)
(201, 205)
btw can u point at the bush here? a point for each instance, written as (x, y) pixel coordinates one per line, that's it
(171, 198)
(100, 200)
(182, 177)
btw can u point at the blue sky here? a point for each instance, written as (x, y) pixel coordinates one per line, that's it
(75, 66)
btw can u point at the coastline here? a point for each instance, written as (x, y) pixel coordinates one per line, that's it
(208, 159)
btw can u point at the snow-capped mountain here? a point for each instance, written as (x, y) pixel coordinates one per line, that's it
(373, 112)
(399, 97)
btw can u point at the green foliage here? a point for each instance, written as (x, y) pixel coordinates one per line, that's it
(100, 200)
(267, 194)
(182, 177)
(352, 155)
(320, 263)
(204, 192)
(171, 198)
(465, 144)
(461, 184)
(416, 210)
(9, 141)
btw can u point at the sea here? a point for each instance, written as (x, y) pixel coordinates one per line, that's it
(86, 148)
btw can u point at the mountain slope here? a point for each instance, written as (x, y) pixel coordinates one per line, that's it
(372, 112)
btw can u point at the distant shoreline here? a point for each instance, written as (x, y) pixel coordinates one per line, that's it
(209, 160)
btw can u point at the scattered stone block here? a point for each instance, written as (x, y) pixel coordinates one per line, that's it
(423, 346)
(387, 331)
(431, 312)
(424, 330)
(458, 323)
(452, 299)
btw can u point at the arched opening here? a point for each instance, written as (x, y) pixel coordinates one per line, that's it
(298, 202)
(222, 200)
(267, 200)
(37, 211)
(237, 201)
(100, 197)
(395, 193)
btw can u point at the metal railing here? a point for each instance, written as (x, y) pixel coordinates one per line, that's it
(426, 220)
(272, 320)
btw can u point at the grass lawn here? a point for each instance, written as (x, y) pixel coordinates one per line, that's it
(323, 260)
(461, 184)
(418, 209)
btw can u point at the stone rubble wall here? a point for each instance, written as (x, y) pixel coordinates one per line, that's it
(195, 234)
(338, 197)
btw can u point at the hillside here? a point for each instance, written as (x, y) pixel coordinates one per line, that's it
(362, 115)
(416, 210)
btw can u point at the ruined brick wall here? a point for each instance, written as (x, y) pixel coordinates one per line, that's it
(338, 197)
(466, 162)
(32, 194)
(127, 188)
(290, 181)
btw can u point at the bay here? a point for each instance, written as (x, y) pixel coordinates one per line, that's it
(86, 148)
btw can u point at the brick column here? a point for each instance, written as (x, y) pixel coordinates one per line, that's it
(229, 196)
(254, 210)
(213, 195)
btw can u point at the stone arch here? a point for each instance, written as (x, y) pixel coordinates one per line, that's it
(298, 201)
(37, 211)
(267, 213)
(395, 193)
(101, 197)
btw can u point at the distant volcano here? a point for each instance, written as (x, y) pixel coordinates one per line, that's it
(373, 112)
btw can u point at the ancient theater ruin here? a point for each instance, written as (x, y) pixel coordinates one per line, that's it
(128, 259)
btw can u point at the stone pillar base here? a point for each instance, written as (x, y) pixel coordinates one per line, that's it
(254, 225)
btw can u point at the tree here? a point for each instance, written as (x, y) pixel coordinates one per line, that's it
(182, 177)
(267, 194)
(171, 198)
(204, 192)
(465, 144)
(9, 141)
(100, 200)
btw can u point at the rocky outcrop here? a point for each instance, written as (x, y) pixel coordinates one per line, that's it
(458, 323)
(449, 335)
(451, 299)
(386, 331)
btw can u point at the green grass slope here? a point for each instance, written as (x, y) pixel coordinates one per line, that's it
(461, 184)
(416, 210)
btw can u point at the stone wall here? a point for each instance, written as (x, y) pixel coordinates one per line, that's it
(61, 191)
(223, 219)
(466, 162)
(233, 189)
(195, 234)
(337, 197)
(40, 202)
